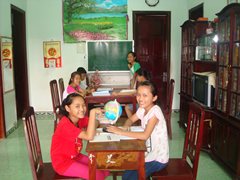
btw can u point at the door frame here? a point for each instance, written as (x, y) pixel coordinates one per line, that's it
(168, 16)
(20, 59)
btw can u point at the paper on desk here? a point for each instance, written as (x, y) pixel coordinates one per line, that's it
(136, 129)
(105, 137)
(128, 90)
(132, 129)
(105, 89)
(101, 93)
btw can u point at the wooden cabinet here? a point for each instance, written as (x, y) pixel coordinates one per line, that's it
(226, 143)
(194, 41)
(190, 29)
(197, 55)
(226, 122)
(228, 69)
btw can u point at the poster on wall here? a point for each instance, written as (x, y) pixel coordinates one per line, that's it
(94, 20)
(7, 64)
(52, 54)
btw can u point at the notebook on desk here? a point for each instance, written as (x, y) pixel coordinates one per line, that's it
(101, 93)
(105, 89)
(105, 137)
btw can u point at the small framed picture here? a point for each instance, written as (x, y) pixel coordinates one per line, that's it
(232, 1)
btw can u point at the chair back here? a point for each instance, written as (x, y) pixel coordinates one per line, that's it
(194, 136)
(61, 87)
(168, 110)
(55, 100)
(32, 141)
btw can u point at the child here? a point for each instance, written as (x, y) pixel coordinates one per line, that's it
(66, 145)
(73, 85)
(83, 76)
(155, 131)
(133, 65)
(142, 75)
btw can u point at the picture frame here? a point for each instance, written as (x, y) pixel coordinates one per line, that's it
(6, 58)
(52, 54)
(232, 1)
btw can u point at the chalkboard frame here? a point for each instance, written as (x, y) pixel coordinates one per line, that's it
(105, 44)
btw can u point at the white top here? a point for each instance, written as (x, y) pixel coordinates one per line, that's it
(157, 143)
(83, 85)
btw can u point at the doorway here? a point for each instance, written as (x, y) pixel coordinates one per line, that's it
(151, 34)
(20, 59)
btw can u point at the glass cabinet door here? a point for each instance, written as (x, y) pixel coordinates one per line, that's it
(206, 48)
(235, 71)
(224, 28)
(223, 69)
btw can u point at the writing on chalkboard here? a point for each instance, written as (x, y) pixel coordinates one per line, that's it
(108, 55)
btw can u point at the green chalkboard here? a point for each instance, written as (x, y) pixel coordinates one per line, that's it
(108, 55)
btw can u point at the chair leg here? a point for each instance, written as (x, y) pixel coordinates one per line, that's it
(169, 127)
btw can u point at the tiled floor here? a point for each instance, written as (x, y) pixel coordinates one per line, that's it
(14, 163)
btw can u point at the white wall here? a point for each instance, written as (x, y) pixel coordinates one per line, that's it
(210, 7)
(5, 30)
(44, 22)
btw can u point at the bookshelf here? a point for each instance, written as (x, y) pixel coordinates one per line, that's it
(226, 119)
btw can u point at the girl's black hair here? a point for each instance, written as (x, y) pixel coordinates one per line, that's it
(72, 77)
(81, 70)
(153, 89)
(134, 55)
(67, 102)
(144, 73)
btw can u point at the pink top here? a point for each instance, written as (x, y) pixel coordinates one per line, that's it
(157, 143)
(70, 90)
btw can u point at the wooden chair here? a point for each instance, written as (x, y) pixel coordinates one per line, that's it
(40, 170)
(179, 168)
(61, 87)
(168, 111)
(55, 100)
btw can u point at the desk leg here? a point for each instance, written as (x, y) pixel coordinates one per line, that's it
(92, 166)
(141, 166)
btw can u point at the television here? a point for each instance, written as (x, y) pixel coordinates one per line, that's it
(204, 87)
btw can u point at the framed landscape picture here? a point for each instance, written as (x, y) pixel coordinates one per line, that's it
(94, 20)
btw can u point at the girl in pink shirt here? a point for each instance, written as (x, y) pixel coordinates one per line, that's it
(74, 85)
(155, 131)
(66, 146)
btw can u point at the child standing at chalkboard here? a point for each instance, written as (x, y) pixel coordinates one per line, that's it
(73, 86)
(133, 65)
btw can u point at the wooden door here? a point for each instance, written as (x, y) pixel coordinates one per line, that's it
(151, 33)
(20, 59)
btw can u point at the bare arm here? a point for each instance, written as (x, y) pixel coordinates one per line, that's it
(139, 135)
(92, 124)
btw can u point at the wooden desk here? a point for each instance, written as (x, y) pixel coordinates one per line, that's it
(122, 99)
(120, 155)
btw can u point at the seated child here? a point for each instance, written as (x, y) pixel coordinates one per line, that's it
(84, 80)
(155, 130)
(66, 147)
(73, 86)
(142, 75)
